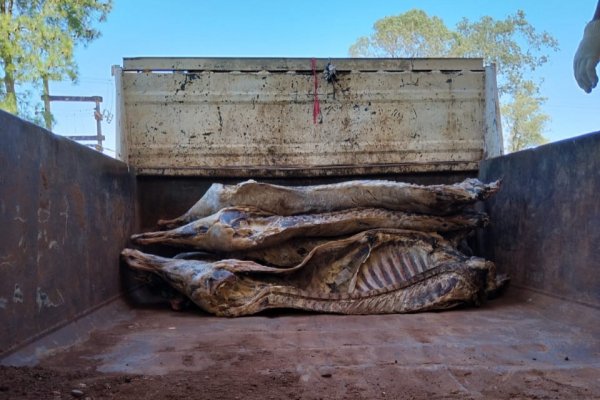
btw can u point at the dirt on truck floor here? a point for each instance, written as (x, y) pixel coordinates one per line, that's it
(380, 382)
(522, 346)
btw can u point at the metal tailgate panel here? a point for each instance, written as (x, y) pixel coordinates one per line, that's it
(256, 122)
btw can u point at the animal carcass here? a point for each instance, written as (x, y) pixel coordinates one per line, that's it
(243, 228)
(375, 271)
(292, 200)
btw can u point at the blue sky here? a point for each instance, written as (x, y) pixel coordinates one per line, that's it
(307, 29)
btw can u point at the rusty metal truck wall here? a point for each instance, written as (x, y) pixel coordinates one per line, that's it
(66, 211)
(545, 227)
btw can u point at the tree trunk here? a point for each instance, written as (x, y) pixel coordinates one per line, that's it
(10, 103)
(9, 85)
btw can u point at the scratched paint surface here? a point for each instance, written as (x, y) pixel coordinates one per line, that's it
(65, 213)
(378, 115)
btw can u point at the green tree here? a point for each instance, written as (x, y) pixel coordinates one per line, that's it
(412, 34)
(523, 118)
(37, 42)
(512, 44)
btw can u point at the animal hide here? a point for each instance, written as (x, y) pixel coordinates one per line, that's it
(293, 200)
(286, 254)
(372, 272)
(244, 228)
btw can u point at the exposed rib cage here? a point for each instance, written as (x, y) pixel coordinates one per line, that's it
(390, 268)
(267, 246)
(378, 271)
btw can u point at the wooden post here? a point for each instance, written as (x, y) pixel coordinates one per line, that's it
(97, 114)
(98, 117)
(46, 98)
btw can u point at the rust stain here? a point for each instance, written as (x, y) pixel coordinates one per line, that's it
(76, 200)
(44, 179)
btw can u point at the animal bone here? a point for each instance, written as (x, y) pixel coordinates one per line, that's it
(376, 271)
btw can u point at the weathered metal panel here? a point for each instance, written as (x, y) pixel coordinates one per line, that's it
(261, 123)
(545, 229)
(66, 212)
(492, 138)
(298, 64)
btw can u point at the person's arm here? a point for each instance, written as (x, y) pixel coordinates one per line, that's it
(588, 54)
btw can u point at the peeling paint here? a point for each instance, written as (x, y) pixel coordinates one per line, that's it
(43, 215)
(65, 214)
(53, 245)
(42, 235)
(18, 217)
(3, 302)
(17, 294)
(43, 300)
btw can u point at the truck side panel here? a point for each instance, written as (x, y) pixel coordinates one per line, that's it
(66, 211)
(545, 220)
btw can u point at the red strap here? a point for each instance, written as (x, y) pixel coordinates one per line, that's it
(316, 106)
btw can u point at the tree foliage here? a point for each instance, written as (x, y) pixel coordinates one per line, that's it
(523, 119)
(37, 43)
(412, 34)
(513, 44)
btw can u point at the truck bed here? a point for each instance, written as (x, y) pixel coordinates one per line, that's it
(73, 323)
(524, 345)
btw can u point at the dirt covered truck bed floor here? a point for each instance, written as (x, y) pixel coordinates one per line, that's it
(523, 345)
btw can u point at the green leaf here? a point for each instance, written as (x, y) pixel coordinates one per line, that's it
(38, 40)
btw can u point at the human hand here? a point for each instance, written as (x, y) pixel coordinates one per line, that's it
(587, 57)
